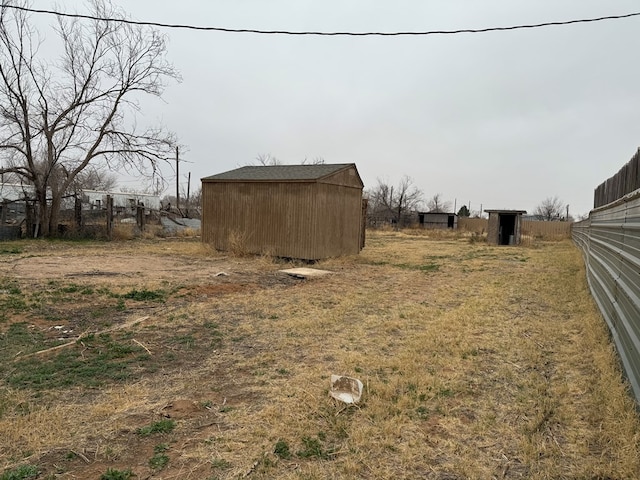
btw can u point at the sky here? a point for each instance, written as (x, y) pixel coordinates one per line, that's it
(498, 120)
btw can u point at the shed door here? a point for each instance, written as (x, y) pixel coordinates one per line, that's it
(507, 231)
(450, 221)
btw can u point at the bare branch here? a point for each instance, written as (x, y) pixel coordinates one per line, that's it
(60, 119)
(266, 159)
(394, 204)
(550, 209)
(436, 204)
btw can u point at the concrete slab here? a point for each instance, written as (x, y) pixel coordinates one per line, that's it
(305, 272)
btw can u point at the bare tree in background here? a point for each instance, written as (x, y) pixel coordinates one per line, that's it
(551, 208)
(58, 118)
(313, 161)
(93, 179)
(436, 204)
(192, 205)
(395, 202)
(267, 160)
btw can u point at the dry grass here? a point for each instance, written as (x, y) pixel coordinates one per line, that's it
(237, 244)
(478, 362)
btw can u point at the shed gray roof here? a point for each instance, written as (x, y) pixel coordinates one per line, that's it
(280, 172)
(438, 213)
(516, 212)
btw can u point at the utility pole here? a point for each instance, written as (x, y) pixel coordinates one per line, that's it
(189, 188)
(188, 193)
(177, 180)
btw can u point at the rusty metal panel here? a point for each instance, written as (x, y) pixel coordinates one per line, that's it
(610, 243)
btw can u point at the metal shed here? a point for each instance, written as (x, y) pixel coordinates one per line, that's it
(505, 227)
(307, 212)
(441, 220)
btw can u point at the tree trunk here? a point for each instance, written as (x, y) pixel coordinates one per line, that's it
(48, 213)
(42, 226)
(54, 213)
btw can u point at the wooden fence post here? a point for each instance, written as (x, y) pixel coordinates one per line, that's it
(109, 217)
(140, 220)
(29, 219)
(78, 213)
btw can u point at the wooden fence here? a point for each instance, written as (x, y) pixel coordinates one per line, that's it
(476, 225)
(540, 230)
(531, 229)
(622, 183)
(85, 220)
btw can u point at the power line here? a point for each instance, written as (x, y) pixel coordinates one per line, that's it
(332, 34)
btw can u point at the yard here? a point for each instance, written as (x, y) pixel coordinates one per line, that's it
(174, 361)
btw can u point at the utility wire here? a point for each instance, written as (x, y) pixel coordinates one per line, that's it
(332, 34)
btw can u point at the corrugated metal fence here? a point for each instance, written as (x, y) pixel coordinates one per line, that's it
(610, 242)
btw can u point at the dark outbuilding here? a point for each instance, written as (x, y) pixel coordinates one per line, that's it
(308, 212)
(505, 227)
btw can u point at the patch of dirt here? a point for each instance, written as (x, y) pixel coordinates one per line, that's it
(96, 269)
(129, 450)
(181, 409)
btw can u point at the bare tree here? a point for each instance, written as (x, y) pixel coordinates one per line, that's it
(58, 118)
(394, 203)
(190, 206)
(313, 161)
(436, 204)
(94, 179)
(551, 208)
(266, 160)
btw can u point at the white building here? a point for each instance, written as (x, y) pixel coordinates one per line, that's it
(121, 200)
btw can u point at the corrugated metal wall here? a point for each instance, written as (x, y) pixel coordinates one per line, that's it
(610, 242)
(298, 220)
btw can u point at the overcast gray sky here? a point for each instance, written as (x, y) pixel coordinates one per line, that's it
(501, 119)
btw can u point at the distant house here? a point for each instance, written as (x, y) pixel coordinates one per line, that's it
(122, 201)
(17, 195)
(13, 202)
(440, 220)
(10, 192)
(505, 227)
(307, 212)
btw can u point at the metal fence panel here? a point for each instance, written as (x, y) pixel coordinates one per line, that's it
(10, 232)
(610, 243)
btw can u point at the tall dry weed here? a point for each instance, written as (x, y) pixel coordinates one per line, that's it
(237, 243)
